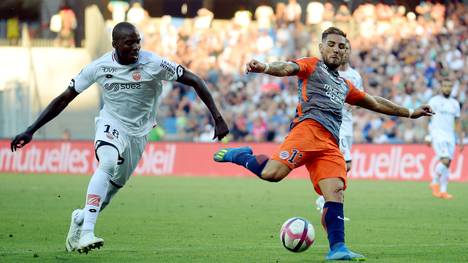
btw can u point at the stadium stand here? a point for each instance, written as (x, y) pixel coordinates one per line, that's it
(399, 53)
(396, 62)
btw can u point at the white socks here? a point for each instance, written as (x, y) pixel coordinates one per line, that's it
(97, 187)
(444, 178)
(438, 173)
(441, 177)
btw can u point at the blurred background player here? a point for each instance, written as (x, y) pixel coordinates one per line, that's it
(131, 83)
(314, 136)
(346, 129)
(442, 129)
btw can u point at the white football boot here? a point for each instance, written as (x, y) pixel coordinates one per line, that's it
(89, 242)
(74, 232)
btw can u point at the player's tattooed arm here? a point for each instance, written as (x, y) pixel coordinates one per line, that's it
(190, 79)
(279, 68)
(382, 105)
(56, 106)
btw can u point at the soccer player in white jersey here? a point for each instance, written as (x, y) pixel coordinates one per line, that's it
(131, 82)
(442, 129)
(346, 128)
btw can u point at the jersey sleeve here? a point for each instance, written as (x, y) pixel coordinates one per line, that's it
(354, 95)
(306, 66)
(84, 79)
(164, 69)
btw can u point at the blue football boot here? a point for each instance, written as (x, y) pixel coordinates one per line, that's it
(230, 154)
(343, 253)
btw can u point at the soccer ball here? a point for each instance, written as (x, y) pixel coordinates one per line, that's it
(297, 234)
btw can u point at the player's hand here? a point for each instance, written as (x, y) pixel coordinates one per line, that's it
(21, 140)
(461, 147)
(255, 66)
(221, 129)
(423, 110)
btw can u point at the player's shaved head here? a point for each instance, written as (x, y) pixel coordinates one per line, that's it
(122, 29)
(126, 42)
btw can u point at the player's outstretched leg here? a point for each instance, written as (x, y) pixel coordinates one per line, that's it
(242, 156)
(74, 232)
(96, 194)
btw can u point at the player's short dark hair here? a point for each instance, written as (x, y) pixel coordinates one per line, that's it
(120, 28)
(333, 30)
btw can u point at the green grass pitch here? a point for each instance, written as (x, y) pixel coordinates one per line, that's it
(182, 219)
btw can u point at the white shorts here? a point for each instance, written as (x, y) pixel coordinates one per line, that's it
(345, 147)
(130, 148)
(443, 148)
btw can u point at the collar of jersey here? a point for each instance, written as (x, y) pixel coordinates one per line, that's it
(138, 62)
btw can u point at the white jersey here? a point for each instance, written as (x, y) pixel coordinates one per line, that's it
(130, 92)
(354, 77)
(443, 122)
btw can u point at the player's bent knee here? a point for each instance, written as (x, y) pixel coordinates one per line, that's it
(332, 189)
(108, 158)
(334, 195)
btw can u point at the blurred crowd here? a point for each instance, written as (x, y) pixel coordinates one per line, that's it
(399, 54)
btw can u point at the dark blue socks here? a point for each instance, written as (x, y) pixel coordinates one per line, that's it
(333, 222)
(254, 163)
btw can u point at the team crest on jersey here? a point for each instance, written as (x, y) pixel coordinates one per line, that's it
(284, 155)
(136, 75)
